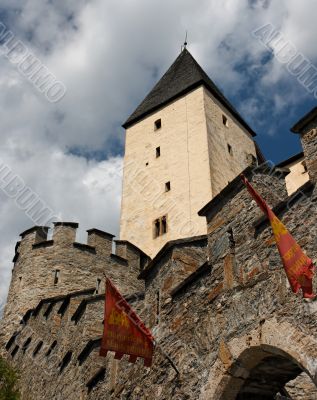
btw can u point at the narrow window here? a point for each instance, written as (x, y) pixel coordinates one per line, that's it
(305, 166)
(157, 228)
(157, 124)
(66, 360)
(52, 347)
(160, 226)
(167, 186)
(158, 152)
(48, 310)
(157, 307)
(232, 243)
(100, 376)
(26, 344)
(64, 307)
(20, 282)
(11, 341)
(98, 282)
(56, 276)
(164, 225)
(229, 149)
(15, 350)
(89, 348)
(37, 348)
(225, 120)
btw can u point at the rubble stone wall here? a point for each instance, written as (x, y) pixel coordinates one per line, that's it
(231, 313)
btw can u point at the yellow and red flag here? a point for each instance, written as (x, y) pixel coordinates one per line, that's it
(298, 267)
(124, 332)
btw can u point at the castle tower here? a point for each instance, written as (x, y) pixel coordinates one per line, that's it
(57, 267)
(184, 143)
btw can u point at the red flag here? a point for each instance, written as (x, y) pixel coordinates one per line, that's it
(124, 332)
(298, 267)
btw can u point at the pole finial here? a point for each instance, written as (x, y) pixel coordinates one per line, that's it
(185, 42)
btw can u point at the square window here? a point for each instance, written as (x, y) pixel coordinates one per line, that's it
(225, 120)
(158, 152)
(167, 186)
(158, 124)
(160, 226)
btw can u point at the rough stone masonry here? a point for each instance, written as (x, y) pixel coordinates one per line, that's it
(219, 304)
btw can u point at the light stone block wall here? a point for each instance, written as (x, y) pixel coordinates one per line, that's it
(297, 176)
(184, 161)
(194, 158)
(224, 167)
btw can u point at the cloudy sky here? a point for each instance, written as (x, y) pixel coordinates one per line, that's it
(109, 53)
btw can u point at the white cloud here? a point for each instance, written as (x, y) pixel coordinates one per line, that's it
(109, 54)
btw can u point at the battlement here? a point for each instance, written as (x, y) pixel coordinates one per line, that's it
(64, 235)
(58, 266)
(65, 325)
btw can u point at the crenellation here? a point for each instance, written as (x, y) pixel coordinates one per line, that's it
(64, 233)
(102, 241)
(39, 233)
(34, 235)
(307, 129)
(138, 260)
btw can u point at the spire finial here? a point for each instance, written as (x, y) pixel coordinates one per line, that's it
(183, 47)
(185, 42)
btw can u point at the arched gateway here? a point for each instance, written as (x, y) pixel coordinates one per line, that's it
(266, 372)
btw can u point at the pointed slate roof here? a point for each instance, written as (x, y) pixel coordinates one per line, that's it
(184, 75)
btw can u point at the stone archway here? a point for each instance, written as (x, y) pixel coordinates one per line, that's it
(241, 359)
(262, 373)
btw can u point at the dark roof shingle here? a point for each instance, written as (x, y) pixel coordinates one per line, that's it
(184, 75)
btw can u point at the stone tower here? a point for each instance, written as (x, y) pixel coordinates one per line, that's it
(60, 266)
(184, 143)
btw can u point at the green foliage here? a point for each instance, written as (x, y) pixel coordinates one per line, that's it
(8, 382)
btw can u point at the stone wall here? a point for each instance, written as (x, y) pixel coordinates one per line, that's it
(309, 143)
(231, 147)
(297, 176)
(225, 315)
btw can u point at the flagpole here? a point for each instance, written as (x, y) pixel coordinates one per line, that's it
(167, 357)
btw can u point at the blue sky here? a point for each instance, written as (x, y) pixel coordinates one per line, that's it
(109, 54)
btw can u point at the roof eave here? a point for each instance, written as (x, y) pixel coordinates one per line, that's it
(169, 246)
(304, 121)
(133, 121)
(290, 160)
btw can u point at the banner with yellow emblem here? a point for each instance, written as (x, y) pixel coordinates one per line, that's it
(124, 332)
(298, 267)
